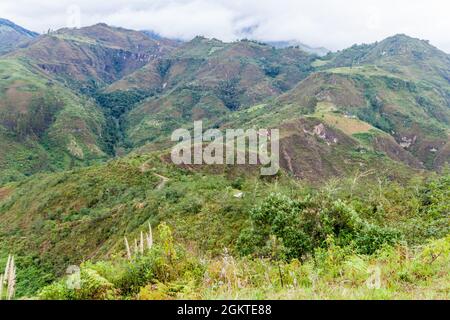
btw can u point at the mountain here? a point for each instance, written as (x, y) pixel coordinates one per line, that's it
(48, 118)
(69, 218)
(399, 113)
(399, 85)
(390, 97)
(93, 57)
(320, 51)
(402, 55)
(207, 78)
(44, 126)
(85, 122)
(13, 36)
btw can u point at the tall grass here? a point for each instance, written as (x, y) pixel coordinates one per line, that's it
(171, 271)
(145, 242)
(8, 280)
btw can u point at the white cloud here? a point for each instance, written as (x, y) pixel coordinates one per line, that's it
(335, 24)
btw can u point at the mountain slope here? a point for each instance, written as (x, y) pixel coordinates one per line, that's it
(44, 126)
(48, 119)
(415, 115)
(56, 220)
(401, 55)
(400, 85)
(207, 79)
(366, 116)
(404, 112)
(13, 36)
(94, 56)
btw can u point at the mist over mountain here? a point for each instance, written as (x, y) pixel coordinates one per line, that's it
(293, 43)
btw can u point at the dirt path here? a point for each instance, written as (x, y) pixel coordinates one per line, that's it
(146, 167)
(163, 182)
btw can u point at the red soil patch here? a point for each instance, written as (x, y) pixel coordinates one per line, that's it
(4, 192)
(18, 98)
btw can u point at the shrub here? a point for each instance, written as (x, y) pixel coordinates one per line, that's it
(92, 286)
(272, 70)
(280, 216)
(303, 226)
(229, 93)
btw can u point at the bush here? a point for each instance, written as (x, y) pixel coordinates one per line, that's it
(92, 287)
(280, 216)
(229, 92)
(304, 226)
(272, 70)
(164, 263)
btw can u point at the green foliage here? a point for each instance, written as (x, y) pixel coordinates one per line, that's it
(332, 272)
(164, 263)
(36, 121)
(338, 231)
(229, 93)
(119, 102)
(86, 212)
(305, 225)
(91, 286)
(44, 126)
(164, 67)
(115, 105)
(272, 70)
(238, 183)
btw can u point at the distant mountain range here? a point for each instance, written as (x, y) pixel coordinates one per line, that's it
(277, 44)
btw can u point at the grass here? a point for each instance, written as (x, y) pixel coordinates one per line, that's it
(399, 272)
(74, 38)
(319, 63)
(368, 71)
(349, 124)
(309, 250)
(52, 221)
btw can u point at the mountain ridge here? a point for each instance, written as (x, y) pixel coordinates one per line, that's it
(11, 24)
(165, 84)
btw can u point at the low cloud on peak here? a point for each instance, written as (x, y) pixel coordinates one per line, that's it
(334, 24)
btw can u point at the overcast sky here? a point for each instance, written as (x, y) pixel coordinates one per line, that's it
(334, 24)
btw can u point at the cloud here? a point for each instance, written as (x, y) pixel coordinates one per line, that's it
(334, 24)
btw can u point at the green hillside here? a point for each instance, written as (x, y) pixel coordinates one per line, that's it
(43, 125)
(205, 79)
(86, 117)
(53, 221)
(399, 86)
(91, 57)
